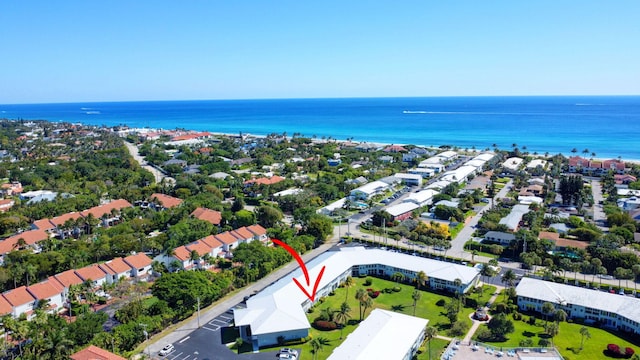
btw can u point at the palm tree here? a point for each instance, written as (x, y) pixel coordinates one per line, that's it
(509, 278)
(429, 333)
(421, 279)
(368, 302)
(348, 282)
(342, 316)
(474, 253)
(317, 344)
(547, 309)
(397, 276)
(584, 332)
(636, 271)
(361, 294)
(415, 296)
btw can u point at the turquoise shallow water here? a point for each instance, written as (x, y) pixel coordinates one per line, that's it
(606, 125)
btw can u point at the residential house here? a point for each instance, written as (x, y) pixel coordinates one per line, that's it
(366, 191)
(108, 213)
(163, 201)
(21, 301)
(6, 204)
(624, 179)
(228, 241)
(561, 244)
(243, 235)
(140, 264)
(421, 198)
(410, 179)
(68, 278)
(11, 189)
(215, 246)
(116, 269)
(401, 211)
(259, 233)
(180, 259)
(95, 353)
(24, 240)
(50, 291)
(500, 237)
(512, 164)
(264, 180)
(512, 221)
(5, 307)
(92, 273)
(212, 216)
(395, 149)
(386, 159)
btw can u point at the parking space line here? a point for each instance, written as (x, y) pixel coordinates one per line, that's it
(175, 356)
(183, 340)
(216, 329)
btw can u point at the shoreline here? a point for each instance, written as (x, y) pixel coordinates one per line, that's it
(383, 144)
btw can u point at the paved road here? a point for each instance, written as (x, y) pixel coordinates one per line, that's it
(157, 174)
(599, 217)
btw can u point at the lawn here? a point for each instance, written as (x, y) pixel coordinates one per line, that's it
(394, 301)
(568, 339)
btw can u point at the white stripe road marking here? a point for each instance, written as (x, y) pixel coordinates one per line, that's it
(183, 340)
(175, 356)
(216, 329)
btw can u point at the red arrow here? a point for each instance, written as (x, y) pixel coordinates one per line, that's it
(296, 256)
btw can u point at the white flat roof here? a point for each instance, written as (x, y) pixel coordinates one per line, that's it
(421, 197)
(401, 208)
(536, 162)
(512, 163)
(626, 306)
(285, 299)
(372, 187)
(382, 335)
(485, 156)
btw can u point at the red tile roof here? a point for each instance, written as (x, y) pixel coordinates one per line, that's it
(60, 220)
(5, 307)
(18, 296)
(30, 237)
(91, 272)
(226, 238)
(565, 243)
(43, 224)
(166, 200)
(105, 209)
(266, 181)
(68, 278)
(243, 233)
(138, 261)
(45, 289)
(115, 266)
(95, 353)
(181, 253)
(209, 215)
(257, 230)
(548, 235)
(212, 242)
(395, 148)
(200, 247)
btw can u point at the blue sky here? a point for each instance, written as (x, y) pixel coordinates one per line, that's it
(74, 51)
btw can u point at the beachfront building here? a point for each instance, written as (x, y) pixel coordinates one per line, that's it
(608, 310)
(536, 163)
(278, 311)
(578, 164)
(459, 175)
(383, 335)
(512, 164)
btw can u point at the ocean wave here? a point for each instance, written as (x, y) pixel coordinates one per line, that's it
(92, 112)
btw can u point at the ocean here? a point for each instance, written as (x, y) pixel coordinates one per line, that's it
(608, 126)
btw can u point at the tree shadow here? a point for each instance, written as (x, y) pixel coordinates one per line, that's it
(398, 308)
(528, 334)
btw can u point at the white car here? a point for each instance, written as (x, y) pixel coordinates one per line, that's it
(289, 351)
(286, 356)
(166, 350)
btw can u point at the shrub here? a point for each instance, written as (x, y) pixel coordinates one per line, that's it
(613, 348)
(368, 282)
(628, 352)
(526, 342)
(517, 316)
(325, 325)
(532, 320)
(396, 289)
(440, 302)
(459, 328)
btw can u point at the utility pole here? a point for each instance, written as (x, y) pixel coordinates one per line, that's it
(198, 311)
(146, 336)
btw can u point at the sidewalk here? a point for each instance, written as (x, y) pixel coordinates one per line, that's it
(476, 323)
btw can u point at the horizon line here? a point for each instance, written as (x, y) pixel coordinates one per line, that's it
(313, 98)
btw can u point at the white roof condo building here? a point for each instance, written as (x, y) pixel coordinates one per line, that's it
(279, 310)
(485, 157)
(422, 198)
(329, 209)
(383, 335)
(368, 190)
(512, 164)
(610, 310)
(460, 174)
(537, 162)
(404, 208)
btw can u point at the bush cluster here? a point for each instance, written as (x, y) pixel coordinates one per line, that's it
(325, 325)
(616, 351)
(373, 293)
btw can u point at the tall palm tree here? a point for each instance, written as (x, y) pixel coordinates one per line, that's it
(415, 296)
(317, 344)
(509, 278)
(422, 279)
(397, 276)
(361, 296)
(584, 332)
(368, 303)
(342, 316)
(429, 333)
(348, 282)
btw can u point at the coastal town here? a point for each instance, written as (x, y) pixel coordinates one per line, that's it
(130, 243)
